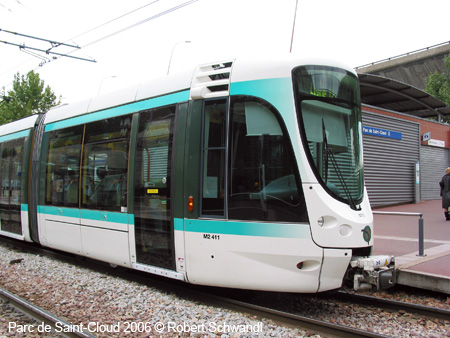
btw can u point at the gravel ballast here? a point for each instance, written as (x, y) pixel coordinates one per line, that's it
(97, 302)
(108, 306)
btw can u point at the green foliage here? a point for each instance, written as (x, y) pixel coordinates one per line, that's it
(438, 85)
(28, 97)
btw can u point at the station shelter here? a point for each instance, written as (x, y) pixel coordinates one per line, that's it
(405, 152)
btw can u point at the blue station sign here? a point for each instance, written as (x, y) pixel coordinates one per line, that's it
(382, 132)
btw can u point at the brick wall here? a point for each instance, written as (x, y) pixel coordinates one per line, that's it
(439, 131)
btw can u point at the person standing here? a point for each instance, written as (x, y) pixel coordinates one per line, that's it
(445, 193)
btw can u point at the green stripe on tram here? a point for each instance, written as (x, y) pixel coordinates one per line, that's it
(13, 136)
(281, 230)
(93, 215)
(121, 110)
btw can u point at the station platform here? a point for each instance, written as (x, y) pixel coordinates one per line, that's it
(399, 236)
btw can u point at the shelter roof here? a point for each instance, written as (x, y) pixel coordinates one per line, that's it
(394, 95)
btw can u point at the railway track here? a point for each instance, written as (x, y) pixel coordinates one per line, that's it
(45, 322)
(388, 304)
(275, 313)
(320, 327)
(327, 328)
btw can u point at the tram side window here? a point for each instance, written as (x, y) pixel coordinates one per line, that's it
(16, 170)
(11, 178)
(62, 172)
(105, 164)
(6, 150)
(264, 182)
(214, 146)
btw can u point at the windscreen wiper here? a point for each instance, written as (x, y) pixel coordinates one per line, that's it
(329, 154)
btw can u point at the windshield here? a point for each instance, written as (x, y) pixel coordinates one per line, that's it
(329, 111)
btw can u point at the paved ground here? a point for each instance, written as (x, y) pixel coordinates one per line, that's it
(398, 236)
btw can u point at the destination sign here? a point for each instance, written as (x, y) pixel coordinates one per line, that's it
(382, 132)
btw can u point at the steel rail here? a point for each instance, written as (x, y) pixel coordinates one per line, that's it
(42, 316)
(300, 322)
(423, 310)
(293, 320)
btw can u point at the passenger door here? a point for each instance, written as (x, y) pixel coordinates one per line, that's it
(104, 180)
(153, 201)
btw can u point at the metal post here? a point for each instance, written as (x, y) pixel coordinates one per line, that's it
(417, 185)
(421, 225)
(171, 54)
(421, 237)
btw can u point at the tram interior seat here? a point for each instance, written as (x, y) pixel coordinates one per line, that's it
(72, 188)
(111, 190)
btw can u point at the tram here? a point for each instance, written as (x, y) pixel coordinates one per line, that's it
(245, 173)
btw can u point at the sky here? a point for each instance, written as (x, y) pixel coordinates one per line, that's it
(136, 40)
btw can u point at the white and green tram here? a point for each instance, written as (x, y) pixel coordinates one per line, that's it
(245, 173)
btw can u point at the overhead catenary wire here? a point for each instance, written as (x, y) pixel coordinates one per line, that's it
(153, 17)
(9, 9)
(84, 33)
(36, 55)
(52, 42)
(45, 51)
(48, 51)
(112, 20)
(168, 11)
(293, 26)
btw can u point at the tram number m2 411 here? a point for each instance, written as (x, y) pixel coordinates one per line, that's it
(211, 236)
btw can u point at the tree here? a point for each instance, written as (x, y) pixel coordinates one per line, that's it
(438, 85)
(27, 97)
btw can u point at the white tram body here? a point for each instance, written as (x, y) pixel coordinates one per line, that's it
(245, 173)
